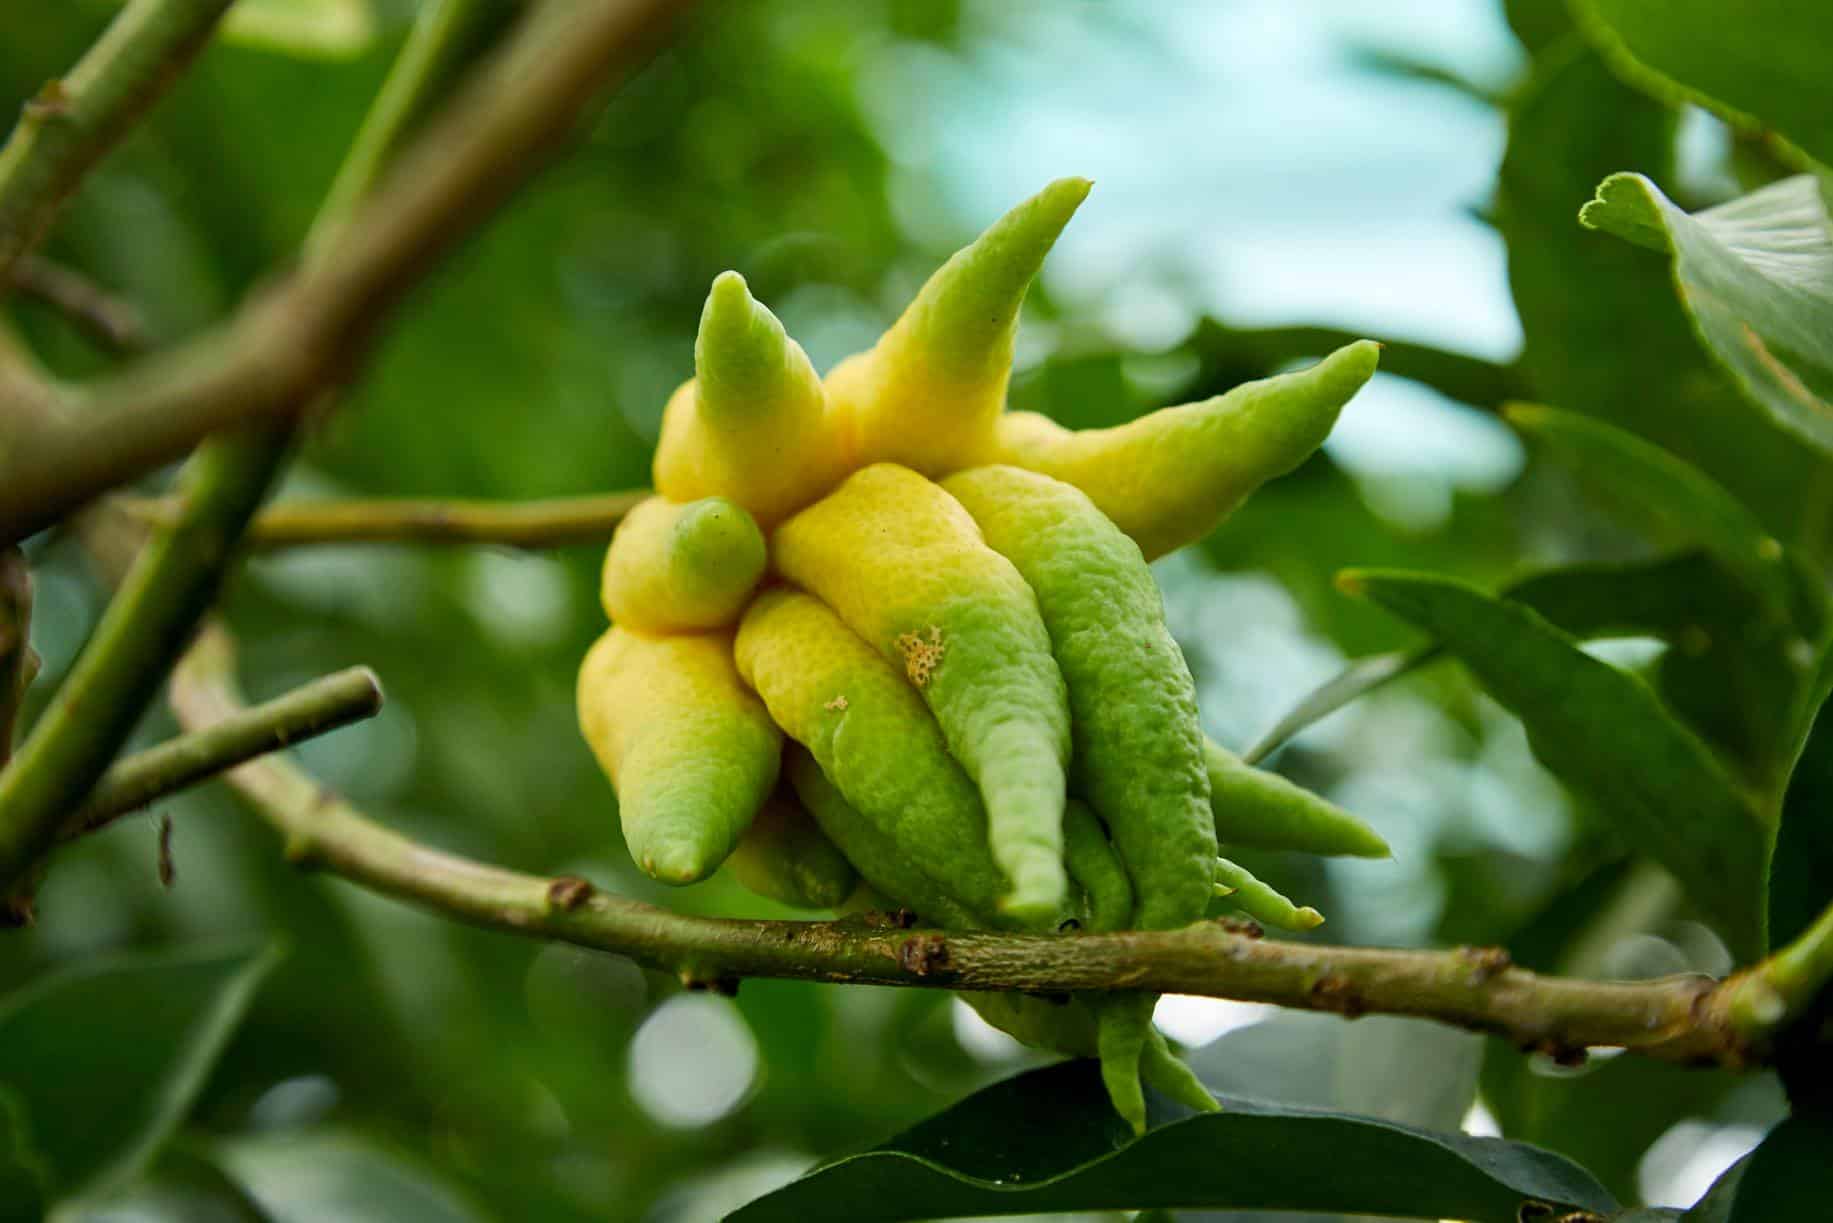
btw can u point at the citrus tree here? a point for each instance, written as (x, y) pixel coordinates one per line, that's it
(865, 672)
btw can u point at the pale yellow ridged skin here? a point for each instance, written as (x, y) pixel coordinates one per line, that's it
(876, 743)
(692, 751)
(904, 566)
(784, 856)
(1168, 478)
(675, 568)
(926, 396)
(753, 424)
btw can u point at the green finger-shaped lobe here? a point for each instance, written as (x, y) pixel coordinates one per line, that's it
(692, 752)
(1166, 1074)
(1263, 810)
(1169, 477)
(784, 856)
(1096, 869)
(872, 737)
(1138, 745)
(885, 867)
(1259, 901)
(905, 567)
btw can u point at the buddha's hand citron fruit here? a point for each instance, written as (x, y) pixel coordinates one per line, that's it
(692, 751)
(946, 607)
(906, 569)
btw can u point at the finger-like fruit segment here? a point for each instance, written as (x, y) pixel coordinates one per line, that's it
(675, 568)
(878, 856)
(905, 567)
(752, 424)
(1243, 891)
(1122, 1024)
(784, 856)
(1138, 745)
(1168, 1076)
(1168, 478)
(928, 394)
(879, 747)
(1096, 869)
(692, 752)
(1263, 810)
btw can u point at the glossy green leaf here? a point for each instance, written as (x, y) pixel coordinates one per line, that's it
(108, 1055)
(1757, 276)
(1603, 333)
(1606, 735)
(1767, 68)
(1732, 672)
(24, 1179)
(1048, 1141)
(1673, 500)
(1801, 869)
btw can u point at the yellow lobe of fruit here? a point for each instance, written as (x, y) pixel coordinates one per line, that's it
(1168, 478)
(928, 393)
(692, 753)
(752, 424)
(675, 568)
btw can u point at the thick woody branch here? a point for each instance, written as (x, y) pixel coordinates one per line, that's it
(1683, 1019)
(516, 524)
(304, 713)
(305, 334)
(74, 120)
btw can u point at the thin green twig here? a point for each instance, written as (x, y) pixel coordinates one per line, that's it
(548, 523)
(306, 712)
(75, 119)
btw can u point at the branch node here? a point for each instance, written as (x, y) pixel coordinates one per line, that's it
(1486, 963)
(1335, 992)
(1243, 927)
(723, 984)
(568, 892)
(924, 954)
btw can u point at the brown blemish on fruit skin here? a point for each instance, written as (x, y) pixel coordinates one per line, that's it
(922, 654)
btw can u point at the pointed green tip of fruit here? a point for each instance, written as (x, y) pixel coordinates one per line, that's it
(1038, 888)
(965, 316)
(1352, 582)
(742, 356)
(1307, 918)
(1525, 415)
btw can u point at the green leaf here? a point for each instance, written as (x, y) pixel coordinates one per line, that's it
(1358, 679)
(1801, 869)
(297, 1177)
(1606, 735)
(1756, 274)
(1766, 69)
(1787, 1177)
(24, 1180)
(1674, 501)
(1603, 333)
(1731, 672)
(107, 1056)
(1049, 1141)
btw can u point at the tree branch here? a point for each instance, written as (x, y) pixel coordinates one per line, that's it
(304, 335)
(1681, 1019)
(304, 713)
(108, 320)
(75, 120)
(517, 524)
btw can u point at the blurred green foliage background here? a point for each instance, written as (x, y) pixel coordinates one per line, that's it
(1257, 165)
